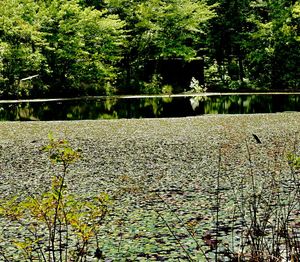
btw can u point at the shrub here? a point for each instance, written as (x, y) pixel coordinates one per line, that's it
(56, 225)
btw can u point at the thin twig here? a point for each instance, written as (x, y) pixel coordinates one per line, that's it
(182, 223)
(174, 235)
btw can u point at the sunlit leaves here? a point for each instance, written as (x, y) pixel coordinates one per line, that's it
(296, 10)
(61, 41)
(84, 44)
(60, 151)
(167, 26)
(273, 52)
(294, 160)
(21, 41)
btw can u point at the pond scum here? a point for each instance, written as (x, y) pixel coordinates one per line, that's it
(248, 216)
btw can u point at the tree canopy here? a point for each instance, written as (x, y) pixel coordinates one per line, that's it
(79, 47)
(71, 48)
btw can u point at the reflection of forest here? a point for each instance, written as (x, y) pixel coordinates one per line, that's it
(249, 104)
(114, 108)
(233, 104)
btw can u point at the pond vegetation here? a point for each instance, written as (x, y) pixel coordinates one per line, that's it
(178, 199)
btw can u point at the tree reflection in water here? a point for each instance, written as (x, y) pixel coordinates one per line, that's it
(114, 108)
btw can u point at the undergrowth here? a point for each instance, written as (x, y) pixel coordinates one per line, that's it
(55, 225)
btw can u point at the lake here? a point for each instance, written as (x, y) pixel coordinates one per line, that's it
(147, 106)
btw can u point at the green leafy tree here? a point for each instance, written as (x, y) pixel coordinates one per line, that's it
(273, 44)
(226, 53)
(171, 28)
(162, 30)
(71, 48)
(20, 45)
(254, 44)
(83, 46)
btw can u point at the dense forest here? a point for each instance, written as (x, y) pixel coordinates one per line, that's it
(96, 47)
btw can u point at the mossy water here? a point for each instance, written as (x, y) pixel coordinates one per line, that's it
(162, 175)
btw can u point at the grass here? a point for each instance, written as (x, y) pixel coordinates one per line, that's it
(182, 188)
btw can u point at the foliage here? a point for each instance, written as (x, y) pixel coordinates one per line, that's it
(161, 30)
(167, 90)
(20, 44)
(225, 52)
(294, 160)
(56, 225)
(196, 88)
(152, 87)
(255, 43)
(171, 29)
(83, 45)
(273, 47)
(71, 48)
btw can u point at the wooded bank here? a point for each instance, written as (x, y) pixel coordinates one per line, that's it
(71, 48)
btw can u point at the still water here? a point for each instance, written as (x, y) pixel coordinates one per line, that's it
(147, 107)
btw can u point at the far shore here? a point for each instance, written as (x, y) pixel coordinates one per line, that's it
(186, 94)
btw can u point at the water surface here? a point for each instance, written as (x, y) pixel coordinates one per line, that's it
(146, 107)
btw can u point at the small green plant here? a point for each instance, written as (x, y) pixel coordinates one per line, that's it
(294, 160)
(56, 225)
(167, 90)
(153, 87)
(195, 86)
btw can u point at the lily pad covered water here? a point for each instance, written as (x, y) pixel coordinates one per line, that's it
(182, 188)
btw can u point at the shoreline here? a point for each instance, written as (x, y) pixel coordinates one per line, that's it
(187, 94)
